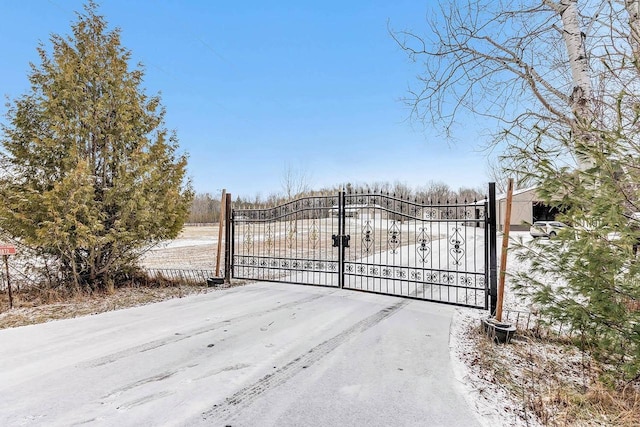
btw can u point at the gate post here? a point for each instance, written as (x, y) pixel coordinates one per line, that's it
(493, 264)
(341, 231)
(228, 242)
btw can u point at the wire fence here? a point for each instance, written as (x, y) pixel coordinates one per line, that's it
(528, 322)
(20, 280)
(20, 277)
(183, 276)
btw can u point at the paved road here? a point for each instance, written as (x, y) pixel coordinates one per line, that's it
(259, 355)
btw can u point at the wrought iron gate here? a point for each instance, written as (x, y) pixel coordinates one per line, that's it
(287, 243)
(371, 242)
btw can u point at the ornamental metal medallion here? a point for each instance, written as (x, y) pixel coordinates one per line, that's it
(457, 243)
(423, 247)
(394, 237)
(313, 234)
(367, 237)
(292, 231)
(268, 243)
(248, 237)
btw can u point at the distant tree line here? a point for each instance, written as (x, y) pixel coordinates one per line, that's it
(205, 208)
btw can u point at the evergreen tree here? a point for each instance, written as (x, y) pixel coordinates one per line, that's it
(587, 277)
(92, 176)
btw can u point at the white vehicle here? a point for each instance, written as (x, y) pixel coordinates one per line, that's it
(548, 229)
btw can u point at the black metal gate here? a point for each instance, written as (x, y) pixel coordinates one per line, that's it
(374, 243)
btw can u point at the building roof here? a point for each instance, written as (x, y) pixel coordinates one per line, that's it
(503, 196)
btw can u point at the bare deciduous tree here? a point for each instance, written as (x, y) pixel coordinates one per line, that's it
(499, 171)
(527, 65)
(295, 182)
(204, 209)
(436, 192)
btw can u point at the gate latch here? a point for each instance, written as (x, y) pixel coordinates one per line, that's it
(345, 240)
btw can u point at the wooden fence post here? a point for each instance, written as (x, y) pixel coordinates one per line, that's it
(505, 247)
(227, 240)
(6, 265)
(221, 219)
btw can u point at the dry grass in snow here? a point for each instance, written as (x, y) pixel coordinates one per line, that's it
(534, 381)
(195, 248)
(31, 309)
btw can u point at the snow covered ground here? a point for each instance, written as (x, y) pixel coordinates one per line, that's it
(257, 355)
(184, 243)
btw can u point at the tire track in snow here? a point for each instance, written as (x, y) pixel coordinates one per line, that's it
(155, 378)
(233, 405)
(152, 345)
(143, 400)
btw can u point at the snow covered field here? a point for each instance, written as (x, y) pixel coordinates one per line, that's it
(261, 354)
(195, 248)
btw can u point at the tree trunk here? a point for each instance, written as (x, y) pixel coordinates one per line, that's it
(633, 9)
(581, 96)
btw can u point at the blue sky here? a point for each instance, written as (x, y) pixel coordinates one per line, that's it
(253, 88)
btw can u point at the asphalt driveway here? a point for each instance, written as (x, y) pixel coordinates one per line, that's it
(263, 354)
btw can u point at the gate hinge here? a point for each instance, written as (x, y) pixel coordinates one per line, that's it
(345, 240)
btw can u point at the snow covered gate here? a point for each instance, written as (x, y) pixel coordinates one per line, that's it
(374, 243)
